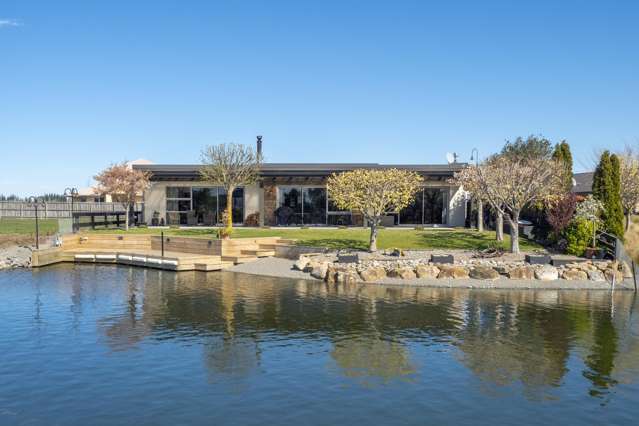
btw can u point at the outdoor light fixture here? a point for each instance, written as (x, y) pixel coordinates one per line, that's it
(474, 156)
(71, 192)
(33, 200)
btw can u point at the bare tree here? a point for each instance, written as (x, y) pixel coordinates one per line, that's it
(523, 173)
(230, 166)
(470, 180)
(629, 173)
(375, 193)
(123, 182)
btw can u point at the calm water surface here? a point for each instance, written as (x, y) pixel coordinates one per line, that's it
(107, 345)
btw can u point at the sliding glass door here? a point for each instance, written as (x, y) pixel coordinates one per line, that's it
(301, 206)
(201, 205)
(427, 208)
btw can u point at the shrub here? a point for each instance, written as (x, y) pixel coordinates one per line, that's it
(252, 219)
(578, 236)
(561, 212)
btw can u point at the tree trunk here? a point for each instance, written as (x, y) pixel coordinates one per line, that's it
(513, 219)
(229, 208)
(627, 220)
(480, 216)
(126, 219)
(499, 227)
(372, 245)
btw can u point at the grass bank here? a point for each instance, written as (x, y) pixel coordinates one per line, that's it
(357, 238)
(17, 226)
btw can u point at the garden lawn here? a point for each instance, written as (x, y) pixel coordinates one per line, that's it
(357, 238)
(17, 226)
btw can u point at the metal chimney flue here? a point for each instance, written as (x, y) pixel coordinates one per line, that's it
(259, 146)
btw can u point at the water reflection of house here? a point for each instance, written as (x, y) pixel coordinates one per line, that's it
(503, 338)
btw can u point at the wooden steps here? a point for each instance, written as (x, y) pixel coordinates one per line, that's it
(259, 252)
(180, 253)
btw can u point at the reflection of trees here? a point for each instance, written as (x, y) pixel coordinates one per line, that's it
(521, 337)
(601, 360)
(234, 357)
(520, 344)
(372, 359)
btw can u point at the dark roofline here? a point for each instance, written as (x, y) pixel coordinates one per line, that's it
(583, 183)
(190, 171)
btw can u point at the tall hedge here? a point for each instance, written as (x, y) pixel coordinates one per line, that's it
(606, 187)
(564, 156)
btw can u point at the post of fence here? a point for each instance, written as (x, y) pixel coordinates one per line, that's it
(162, 242)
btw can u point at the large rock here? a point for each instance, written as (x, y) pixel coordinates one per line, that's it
(319, 271)
(596, 275)
(347, 277)
(626, 270)
(547, 273)
(375, 273)
(427, 271)
(521, 273)
(484, 273)
(574, 275)
(455, 272)
(301, 263)
(613, 273)
(405, 273)
(331, 274)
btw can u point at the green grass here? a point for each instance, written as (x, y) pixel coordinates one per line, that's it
(17, 226)
(357, 238)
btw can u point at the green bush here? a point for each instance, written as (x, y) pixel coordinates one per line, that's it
(579, 236)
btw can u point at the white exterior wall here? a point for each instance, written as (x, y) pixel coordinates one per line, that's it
(456, 206)
(155, 198)
(251, 199)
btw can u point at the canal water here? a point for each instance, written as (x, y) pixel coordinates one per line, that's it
(103, 345)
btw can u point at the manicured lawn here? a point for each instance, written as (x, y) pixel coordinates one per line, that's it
(16, 226)
(357, 238)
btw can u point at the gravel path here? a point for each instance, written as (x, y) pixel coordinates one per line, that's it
(276, 267)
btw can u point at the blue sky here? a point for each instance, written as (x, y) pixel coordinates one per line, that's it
(87, 83)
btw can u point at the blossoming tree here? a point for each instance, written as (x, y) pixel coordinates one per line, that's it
(124, 183)
(375, 193)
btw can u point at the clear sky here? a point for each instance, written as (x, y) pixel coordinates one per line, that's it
(87, 83)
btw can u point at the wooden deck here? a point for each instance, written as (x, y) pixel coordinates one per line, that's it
(180, 253)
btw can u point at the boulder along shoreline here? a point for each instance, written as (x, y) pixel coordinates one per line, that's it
(285, 268)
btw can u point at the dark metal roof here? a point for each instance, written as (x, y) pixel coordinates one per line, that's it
(190, 171)
(582, 183)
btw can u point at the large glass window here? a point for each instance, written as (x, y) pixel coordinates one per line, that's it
(314, 205)
(237, 207)
(301, 206)
(428, 207)
(205, 206)
(201, 205)
(337, 216)
(178, 205)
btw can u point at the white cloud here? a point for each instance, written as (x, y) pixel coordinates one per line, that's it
(10, 23)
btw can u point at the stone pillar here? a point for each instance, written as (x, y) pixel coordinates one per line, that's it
(270, 203)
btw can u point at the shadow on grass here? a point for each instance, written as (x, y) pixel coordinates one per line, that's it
(335, 243)
(453, 240)
(469, 241)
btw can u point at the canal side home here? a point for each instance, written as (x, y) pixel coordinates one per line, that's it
(293, 194)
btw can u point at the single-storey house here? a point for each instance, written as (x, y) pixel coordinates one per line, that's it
(292, 194)
(582, 183)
